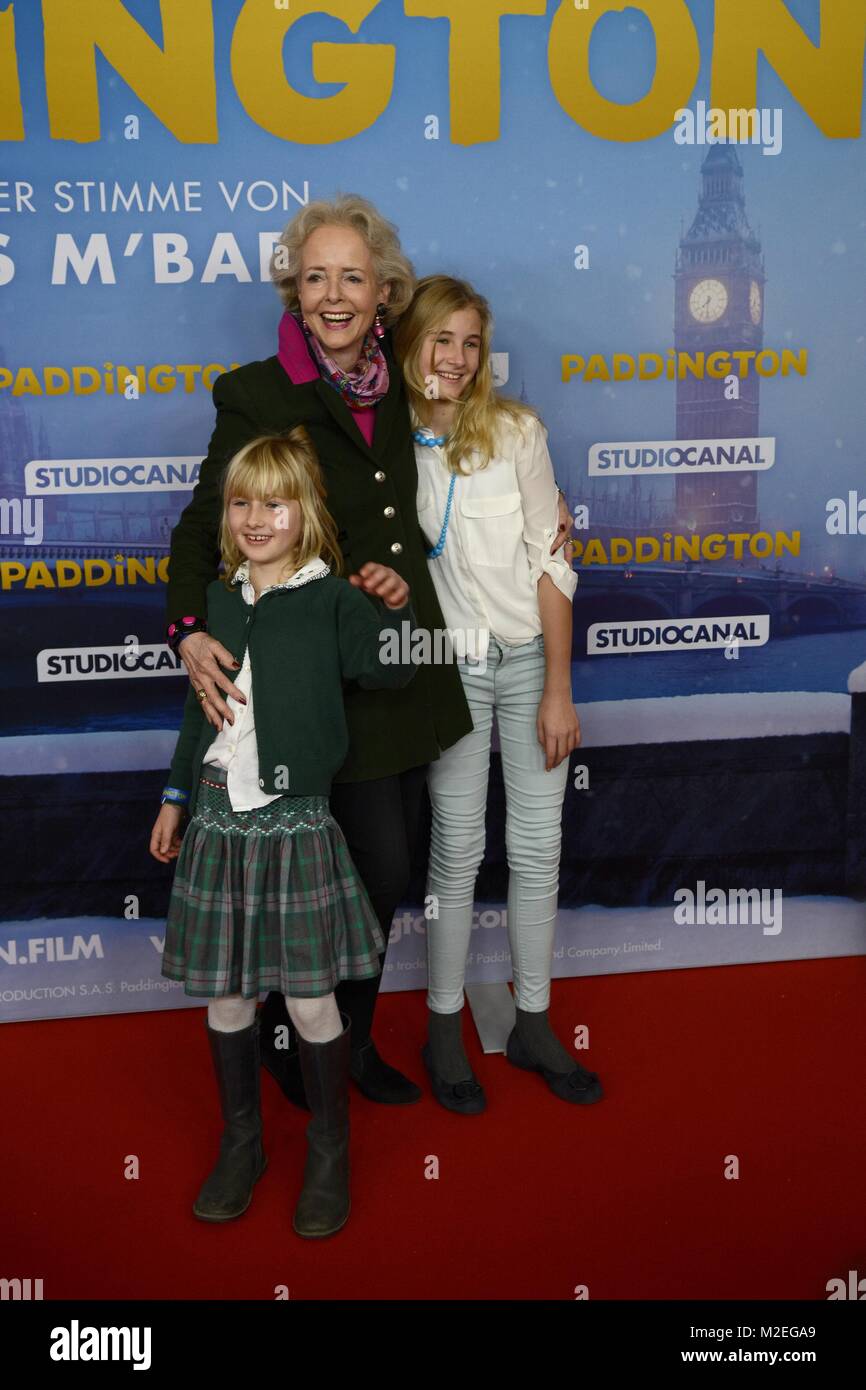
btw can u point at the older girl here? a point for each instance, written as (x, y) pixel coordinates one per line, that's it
(487, 503)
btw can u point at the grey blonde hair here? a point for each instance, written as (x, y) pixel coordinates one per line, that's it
(390, 265)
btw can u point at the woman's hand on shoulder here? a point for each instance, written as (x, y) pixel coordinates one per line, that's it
(165, 839)
(202, 655)
(383, 583)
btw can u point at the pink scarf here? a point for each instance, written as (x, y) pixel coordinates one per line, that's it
(304, 359)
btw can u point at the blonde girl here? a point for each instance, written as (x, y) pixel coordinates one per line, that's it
(488, 507)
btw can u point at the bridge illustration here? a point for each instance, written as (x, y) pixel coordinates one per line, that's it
(797, 602)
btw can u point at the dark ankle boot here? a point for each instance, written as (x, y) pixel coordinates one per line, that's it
(377, 1080)
(283, 1063)
(228, 1190)
(324, 1203)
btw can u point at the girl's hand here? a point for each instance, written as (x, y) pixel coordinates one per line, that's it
(200, 653)
(558, 728)
(563, 531)
(165, 837)
(385, 583)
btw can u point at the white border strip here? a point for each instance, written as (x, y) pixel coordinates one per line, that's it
(604, 724)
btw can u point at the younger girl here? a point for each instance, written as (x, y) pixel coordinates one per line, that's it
(265, 895)
(487, 504)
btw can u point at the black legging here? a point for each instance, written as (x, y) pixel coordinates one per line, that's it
(379, 819)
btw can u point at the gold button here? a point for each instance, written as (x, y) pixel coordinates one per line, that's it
(389, 511)
(379, 476)
(396, 548)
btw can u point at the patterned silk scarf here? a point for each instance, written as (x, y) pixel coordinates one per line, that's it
(364, 386)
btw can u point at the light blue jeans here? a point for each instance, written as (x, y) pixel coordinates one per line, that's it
(511, 685)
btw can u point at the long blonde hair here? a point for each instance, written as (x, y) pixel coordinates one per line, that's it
(480, 410)
(281, 465)
(390, 265)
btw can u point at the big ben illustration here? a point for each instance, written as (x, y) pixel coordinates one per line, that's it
(719, 306)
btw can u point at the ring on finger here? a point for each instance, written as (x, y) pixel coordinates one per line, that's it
(202, 695)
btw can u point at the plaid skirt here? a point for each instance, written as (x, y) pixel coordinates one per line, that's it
(267, 899)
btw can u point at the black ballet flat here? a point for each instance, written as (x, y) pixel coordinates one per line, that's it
(463, 1097)
(579, 1086)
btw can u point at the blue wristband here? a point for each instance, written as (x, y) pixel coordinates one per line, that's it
(174, 795)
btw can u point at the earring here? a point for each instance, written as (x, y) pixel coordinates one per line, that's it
(378, 325)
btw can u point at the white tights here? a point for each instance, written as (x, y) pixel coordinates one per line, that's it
(317, 1020)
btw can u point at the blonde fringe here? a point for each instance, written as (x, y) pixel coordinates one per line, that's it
(281, 465)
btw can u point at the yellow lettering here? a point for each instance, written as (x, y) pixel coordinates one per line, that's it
(594, 553)
(161, 378)
(597, 369)
(678, 61)
(366, 70)
(787, 544)
(474, 68)
(826, 80)
(11, 571)
(713, 546)
(646, 549)
(68, 574)
(176, 82)
(572, 364)
(799, 360)
(40, 576)
(11, 112)
(96, 572)
(621, 550)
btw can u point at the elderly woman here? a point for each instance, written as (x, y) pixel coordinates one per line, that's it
(344, 282)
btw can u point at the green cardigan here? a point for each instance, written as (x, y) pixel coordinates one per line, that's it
(304, 642)
(389, 731)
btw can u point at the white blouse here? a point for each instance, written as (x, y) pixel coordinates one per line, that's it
(235, 748)
(503, 521)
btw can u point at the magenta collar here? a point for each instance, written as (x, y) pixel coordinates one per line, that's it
(293, 352)
(297, 362)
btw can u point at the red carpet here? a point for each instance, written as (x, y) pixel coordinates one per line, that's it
(533, 1198)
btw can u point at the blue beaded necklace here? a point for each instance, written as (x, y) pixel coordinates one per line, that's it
(423, 437)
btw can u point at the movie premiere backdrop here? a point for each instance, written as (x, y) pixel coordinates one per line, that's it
(664, 203)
